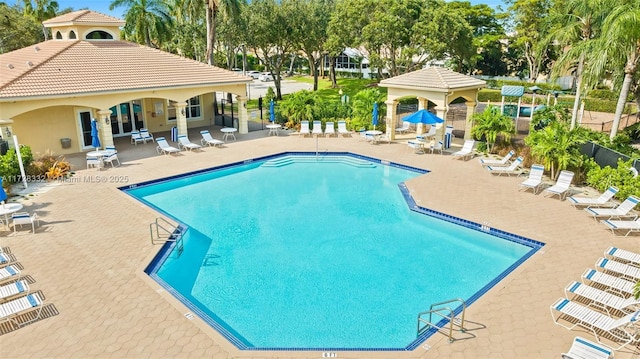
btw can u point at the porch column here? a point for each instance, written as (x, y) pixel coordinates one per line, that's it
(181, 118)
(104, 128)
(392, 118)
(423, 104)
(441, 111)
(243, 118)
(471, 110)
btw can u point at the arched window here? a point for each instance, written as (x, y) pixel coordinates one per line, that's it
(72, 35)
(99, 35)
(58, 35)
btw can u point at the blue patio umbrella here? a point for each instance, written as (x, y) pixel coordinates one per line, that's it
(3, 194)
(272, 112)
(423, 116)
(95, 139)
(374, 115)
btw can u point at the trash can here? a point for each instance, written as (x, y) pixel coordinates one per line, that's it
(65, 142)
(4, 147)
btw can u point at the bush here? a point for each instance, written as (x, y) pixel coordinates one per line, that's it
(49, 166)
(9, 166)
(621, 177)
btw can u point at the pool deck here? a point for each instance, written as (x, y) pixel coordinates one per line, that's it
(92, 245)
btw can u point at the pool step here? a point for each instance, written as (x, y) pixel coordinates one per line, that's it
(284, 161)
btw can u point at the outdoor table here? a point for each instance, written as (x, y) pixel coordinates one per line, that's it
(375, 134)
(228, 132)
(273, 129)
(100, 154)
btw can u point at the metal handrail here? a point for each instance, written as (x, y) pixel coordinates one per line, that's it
(167, 235)
(451, 316)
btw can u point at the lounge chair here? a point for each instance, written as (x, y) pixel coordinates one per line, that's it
(622, 255)
(599, 323)
(304, 128)
(535, 179)
(9, 272)
(431, 133)
(601, 201)
(502, 161)
(145, 135)
(136, 138)
(342, 129)
(14, 288)
(623, 210)
(616, 284)
(329, 129)
(602, 299)
(618, 268)
(512, 169)
(209, 140)
(185, 144)
(406, 127)
(164, 147)
(585, 349)
(466, 151)
(22, 218)
(562, 185)
(10, 310)
(621, 225)
(5, 258)
(317, 128)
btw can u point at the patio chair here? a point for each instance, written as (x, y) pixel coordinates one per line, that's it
(384, 138)
(145, 135)
(111, 155)
(164, 147)
(406, 127)
(13, 289)
(585, 349)
(431, 132)
(11, 310)
(466, 151)
(599, 323)
(304, 128)
(623, 256)
(562, 185)
(503, 161)
(437, 146)
(342, 129)
(184, 143)
(95, 162)
(623, 210)
(615, 284)
(535, 178)
(22, 218)
(618, 226)
(329, 129)
(618, 268)
(209, 140)
(416, 146)
(136, 138)
(601, 299)
(9, 272)
(317, 128)
(601, 201)
(512, 169)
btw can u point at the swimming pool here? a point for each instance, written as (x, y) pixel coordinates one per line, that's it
(299, 252)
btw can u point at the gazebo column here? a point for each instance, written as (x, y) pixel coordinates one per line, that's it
(243, 118)
(471, 110)
(181, 118)
(423, 104)
(104, 128)
(392, 118)
(441, 111)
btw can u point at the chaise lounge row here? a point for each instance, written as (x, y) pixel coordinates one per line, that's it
(185, 144)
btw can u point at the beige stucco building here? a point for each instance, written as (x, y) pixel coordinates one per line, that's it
(53, 90)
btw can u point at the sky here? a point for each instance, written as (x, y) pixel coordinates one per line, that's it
(103, 5)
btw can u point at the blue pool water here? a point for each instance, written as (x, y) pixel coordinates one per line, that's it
(318, 253)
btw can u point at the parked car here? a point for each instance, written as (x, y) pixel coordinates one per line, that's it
(265, 77)
(254, 74)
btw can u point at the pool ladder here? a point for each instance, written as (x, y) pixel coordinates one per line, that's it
(163, 231)
(443, 311)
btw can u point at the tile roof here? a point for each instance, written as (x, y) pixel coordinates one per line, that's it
(83, 17)
(57, 67)
(433, 78)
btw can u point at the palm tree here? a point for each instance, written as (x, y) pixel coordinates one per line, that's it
(43, 10)
(490, 124)
(232, 9)
(146, 19)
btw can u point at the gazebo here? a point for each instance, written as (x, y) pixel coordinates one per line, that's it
(438, 85)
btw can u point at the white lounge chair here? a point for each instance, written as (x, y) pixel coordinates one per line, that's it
(578, 315)
(14, 288)
(4, 258)
(146, 135)
(406, 127)
(602, 299)
(562, 185)
(584, 349)
(329, 129)
(623, 210)
(466, 151)
(22, 218)
(342, 129)
(623, 270)
(601, 201)
(623, 255)
(431, 133)
(512, 169)
(618, 227)
(502, 161)
(10, 310)
(209, 140)
(616, 284)
(185, 144)
(136, 138)
(164, 147)
(317, 128)
(535, 178)
(8, 272)
(304, 128)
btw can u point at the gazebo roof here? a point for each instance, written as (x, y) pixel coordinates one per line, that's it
(433, 79)
(85, 17)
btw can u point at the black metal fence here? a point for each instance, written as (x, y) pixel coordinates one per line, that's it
(605, 156)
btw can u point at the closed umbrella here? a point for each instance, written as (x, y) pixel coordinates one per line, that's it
(423, 116)
(3, 194)
(374, 115)
(95, 139)
(272, 112)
